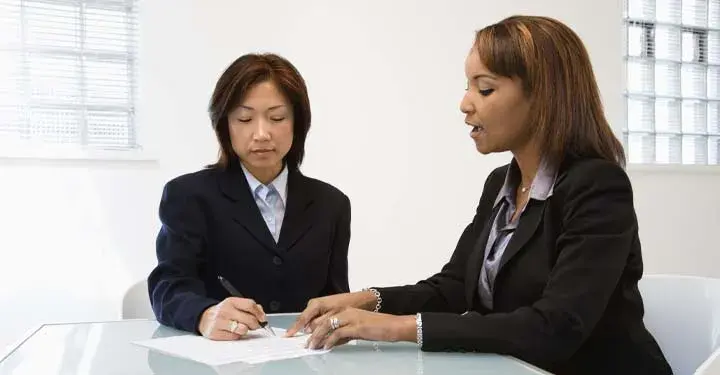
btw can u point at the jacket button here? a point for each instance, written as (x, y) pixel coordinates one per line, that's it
(274, 306)
(277, 261)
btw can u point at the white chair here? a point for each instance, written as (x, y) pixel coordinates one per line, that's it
(136, 302)
(683, 314)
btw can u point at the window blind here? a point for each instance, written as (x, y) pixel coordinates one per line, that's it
(672, 60)
(68, 74)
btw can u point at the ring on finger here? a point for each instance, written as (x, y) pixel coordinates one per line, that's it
(233, 326)
(334, 323)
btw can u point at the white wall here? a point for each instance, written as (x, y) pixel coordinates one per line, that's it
(679, 217)
(385, 81)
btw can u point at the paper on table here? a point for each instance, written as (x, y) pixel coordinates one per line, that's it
(255, 347)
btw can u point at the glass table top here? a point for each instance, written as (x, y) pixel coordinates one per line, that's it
(106, 348)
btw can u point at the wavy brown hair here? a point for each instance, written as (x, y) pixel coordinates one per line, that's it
(232, 87)
(554, 67)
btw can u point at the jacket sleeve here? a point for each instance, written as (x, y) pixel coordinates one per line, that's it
(445, 291)
(337, 281)
(599, 225)
(177, 294)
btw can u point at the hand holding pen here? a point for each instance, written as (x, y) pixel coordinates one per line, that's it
(233, 317)
(235, 293)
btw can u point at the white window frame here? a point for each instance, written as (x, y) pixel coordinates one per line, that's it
(625, 132)
(80, 150)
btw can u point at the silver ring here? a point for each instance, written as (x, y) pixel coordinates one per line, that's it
(233, 326)
(334, 323)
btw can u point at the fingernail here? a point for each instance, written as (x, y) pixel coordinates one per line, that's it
(326, 347)
(308, 330)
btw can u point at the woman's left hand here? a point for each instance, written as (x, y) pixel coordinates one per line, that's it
(359, 324)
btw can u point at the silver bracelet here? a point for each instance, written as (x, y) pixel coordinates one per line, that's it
(378, 298)
(418, 323)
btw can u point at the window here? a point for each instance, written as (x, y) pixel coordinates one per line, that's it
(672, 56)
(68, 74)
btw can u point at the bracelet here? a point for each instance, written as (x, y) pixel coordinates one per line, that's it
(418, 323)
(378, 298)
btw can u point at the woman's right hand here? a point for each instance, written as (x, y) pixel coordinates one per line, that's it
(319, 309)
(231, 319)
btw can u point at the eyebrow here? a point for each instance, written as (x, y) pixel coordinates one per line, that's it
(269, 109)
(482, 75)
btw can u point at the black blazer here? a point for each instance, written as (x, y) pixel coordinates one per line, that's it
(566, 295)
(212, 226)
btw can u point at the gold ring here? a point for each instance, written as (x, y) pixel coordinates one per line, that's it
(233, 326)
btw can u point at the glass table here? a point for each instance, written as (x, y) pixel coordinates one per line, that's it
(106, 348)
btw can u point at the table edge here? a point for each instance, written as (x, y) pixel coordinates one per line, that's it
(13, 346)
(708, 363)
(17, 344)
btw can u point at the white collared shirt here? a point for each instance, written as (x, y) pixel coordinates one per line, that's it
(270, 199)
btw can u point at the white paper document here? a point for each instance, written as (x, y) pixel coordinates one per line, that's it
(255, 347)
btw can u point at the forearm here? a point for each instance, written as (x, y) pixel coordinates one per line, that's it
(178, 298)
(535, 336)
(439, 293)
(179, 308)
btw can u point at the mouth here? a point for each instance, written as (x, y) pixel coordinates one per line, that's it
(475, 128)
(262, 150)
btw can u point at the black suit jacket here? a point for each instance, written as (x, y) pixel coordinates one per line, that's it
(565, 297)
(212, 226)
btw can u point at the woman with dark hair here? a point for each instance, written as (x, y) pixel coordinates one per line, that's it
(548, 269)
(250, 230)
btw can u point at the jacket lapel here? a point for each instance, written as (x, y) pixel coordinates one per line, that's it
(475, 260)
(527, 226)
(298, 211)
(235, 187)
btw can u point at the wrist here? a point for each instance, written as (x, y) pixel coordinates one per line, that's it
(405, 328)
(367, 300)
(204, 318)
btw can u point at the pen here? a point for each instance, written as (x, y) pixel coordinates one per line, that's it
(235, 293)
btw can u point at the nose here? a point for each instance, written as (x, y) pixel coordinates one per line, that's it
(466, 106)
(261, 132)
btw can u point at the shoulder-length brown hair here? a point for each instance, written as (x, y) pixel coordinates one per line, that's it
(231, 88)
(554, 67)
